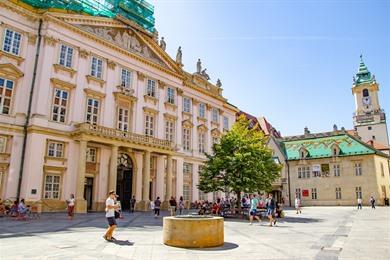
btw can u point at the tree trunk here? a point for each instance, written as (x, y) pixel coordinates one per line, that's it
(239, 200)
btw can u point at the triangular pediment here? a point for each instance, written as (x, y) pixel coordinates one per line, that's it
(8, 70)
(124, 36)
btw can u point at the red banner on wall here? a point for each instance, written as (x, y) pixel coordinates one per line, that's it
(305, 193)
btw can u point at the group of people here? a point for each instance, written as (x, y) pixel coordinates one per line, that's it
(18, 208)
(270, 205)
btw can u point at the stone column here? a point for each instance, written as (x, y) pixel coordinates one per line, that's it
(195, 181)
(169, 177)
(160, 192)
(113, 168)
(138, 189)
(179, 177)
(81, 203)
(146, 180)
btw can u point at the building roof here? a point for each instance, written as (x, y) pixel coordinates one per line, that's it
(321, 145)
(138, 11)
(363, 75)
(253, 122)
(268, 128)
(377, 145)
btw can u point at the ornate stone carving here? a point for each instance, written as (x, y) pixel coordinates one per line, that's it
(50, 40)
(179, 56)
(125, 91)
(141, 76)
(219, 83)
(163, 44)
(111, 64)
(205, 75)
(32, 39)
(83, 53)
(126, 39)
(199, 67)
(161, 84)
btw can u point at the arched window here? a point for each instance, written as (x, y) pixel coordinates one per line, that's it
(365, 92)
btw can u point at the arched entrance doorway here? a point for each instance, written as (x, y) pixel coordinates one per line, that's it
(124, 180)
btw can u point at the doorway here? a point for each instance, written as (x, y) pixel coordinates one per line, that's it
(88, 191)
(124, 181)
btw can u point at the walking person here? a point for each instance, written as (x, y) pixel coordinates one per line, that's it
(172, 206)
(132, 204)
(70, 203)
(298, 204)
(372, 201)
(111, 206)
(271, 210)
(181, 205)
(253, 209)
(157, 205)
(359, 201)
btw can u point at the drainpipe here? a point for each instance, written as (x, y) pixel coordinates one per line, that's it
(29, 110)
(289, 188)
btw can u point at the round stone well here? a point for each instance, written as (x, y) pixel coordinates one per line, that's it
(192, 231)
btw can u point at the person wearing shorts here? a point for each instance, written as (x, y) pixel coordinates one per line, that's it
(271, 210)
(111, 206)
(253, 209)
(71, 202)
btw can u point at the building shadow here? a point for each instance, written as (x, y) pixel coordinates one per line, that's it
(226, 246)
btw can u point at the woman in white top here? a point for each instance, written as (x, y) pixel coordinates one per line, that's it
(298, 204)
(70, 203)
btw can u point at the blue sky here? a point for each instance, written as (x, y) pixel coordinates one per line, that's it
(291, 61)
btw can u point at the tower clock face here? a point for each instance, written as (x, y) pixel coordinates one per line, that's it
(366, 101)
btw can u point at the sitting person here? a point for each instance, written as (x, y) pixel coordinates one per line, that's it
(3, 211)
(22, 209)
(14, 209)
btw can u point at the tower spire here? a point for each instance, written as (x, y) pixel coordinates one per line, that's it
(363, 75)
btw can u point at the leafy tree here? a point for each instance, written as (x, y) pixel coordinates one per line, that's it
(241, 162)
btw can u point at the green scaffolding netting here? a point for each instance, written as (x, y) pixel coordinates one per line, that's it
(139, 11)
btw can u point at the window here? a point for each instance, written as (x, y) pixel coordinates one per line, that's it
(338, 193)
(186, 192)
(3, 144)
(55, 149)
(215, 196)
(66, 56)
(358, 191)
(60, 102)
(123, 119)
(303, 172)
(171, 95)
(314, 193)
(149, 125)
(169, 130)
(382, 170)
(187, 170)
(126, 78)
(358, 169)
(151, 88)
(186, 139)
(52, 187)
(298, 193)
(225, 123)
(91, 154)
(202, 195)
(202, 110)
(202, 142)
(373, 137)
(369, 128)
(336, 170)
(11, 42)
(92, 114)
(6, 89)
(215, 115)
(365, 92)
(187, 104)
(96, 67)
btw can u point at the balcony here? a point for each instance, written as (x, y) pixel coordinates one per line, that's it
(369, 117)
(110, 133)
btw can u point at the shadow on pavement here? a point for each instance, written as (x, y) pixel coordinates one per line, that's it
(226, 246)
(122, 242)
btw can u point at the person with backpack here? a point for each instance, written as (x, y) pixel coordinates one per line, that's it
(271, 210)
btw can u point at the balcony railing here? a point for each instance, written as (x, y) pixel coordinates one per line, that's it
(122, 135)
(369, 116)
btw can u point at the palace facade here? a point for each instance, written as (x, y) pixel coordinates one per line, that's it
(90, 103)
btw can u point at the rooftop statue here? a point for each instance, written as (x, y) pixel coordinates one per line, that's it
(163, 44)
(199, 67)
(179, 56)
(219, 83)
(204, 74)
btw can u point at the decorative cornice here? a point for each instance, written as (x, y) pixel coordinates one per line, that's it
(150, 110)
(49, 40)
(94, 79)
(167, 104)
(170, 116)
(62, 84)
(141, 76)
(18, 59)
(153, 99)
(94, 93)
(187, 123)
(180, 92)
(161, 84)
(121, 96)
(83, 53)
(8, 70)
(32, 39)
(58, 67)
(111, 64)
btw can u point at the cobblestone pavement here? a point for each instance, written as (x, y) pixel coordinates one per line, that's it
(318, 233)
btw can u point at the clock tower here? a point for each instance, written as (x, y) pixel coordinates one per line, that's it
(369, 119)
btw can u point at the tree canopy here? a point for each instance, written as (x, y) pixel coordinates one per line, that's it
(240, 162)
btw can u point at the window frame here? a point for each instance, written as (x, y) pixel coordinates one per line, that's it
(151, 88)
(52, 191)
(3, 143)
(336, 170)
(94, 117)
(314, 194)
(170, 130)
(202, 110)
(12, 42)
(55, 149)
(201, 142)
(225, 123)
(338, 193)
(3, 95)
(187, 136)
(358, 169)
(66, 56)
(122, 124)
(149, 124)
(96, 70)
(59, 105)
(89, 155)
(188, 104)
(171, 95)
(215, 115)
(126, 78)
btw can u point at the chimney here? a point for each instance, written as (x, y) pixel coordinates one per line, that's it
(335, 128)
(343, 128)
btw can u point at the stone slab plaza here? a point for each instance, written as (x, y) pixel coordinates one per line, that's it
(318, 233)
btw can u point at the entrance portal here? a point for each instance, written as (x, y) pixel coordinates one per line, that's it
(124, 180)
(88, 192)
